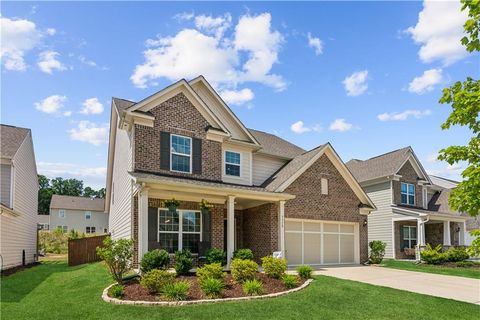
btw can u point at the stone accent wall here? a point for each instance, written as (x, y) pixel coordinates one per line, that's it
(434, 234)
(176, 115)
(341, 203)
(399, 253)
(409, 176)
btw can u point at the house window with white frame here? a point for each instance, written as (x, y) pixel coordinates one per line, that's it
(61, 214)
(63, 228)
(88, 215)
(179, 230)
(407, 193)
(409, 237)
(324, 185)
(232, 163)
(90, 230)
(181, 154)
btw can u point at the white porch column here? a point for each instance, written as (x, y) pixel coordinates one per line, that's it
(446, 233)
(281, 227)
(142, 223)
(230, 228)
(461, 235)
(421, 232)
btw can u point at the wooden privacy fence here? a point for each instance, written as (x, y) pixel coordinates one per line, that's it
(84, 250)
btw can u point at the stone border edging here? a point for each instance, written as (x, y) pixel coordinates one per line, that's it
(108, 299)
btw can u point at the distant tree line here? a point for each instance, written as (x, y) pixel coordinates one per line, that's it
(61, 186)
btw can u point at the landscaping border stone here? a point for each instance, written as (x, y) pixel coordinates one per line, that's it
(108, 299)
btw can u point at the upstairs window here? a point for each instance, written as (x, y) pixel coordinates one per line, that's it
(232, 163)
(61, 214)
(324, 185)
(407, 191)
(181, 154)
(88, 215)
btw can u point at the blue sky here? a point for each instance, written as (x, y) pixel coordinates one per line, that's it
(365, 76)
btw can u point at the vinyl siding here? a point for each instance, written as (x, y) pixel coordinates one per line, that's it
(245, 165)
(5, 184)
(264, 167)
(75, 220)
(20, 233)
(120, 217)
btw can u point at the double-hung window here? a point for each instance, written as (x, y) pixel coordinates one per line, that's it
(181, 154)
(61, 214)
(88, 215)
(407, 191)
(232, 163)
(409, 237)
(90, 230)
(179, 230)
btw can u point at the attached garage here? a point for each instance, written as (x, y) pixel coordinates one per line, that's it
(316, 242)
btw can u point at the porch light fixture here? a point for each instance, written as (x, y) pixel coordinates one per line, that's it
(364, 222)
(457, 229)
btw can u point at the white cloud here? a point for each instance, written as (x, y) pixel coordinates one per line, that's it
(48, 62)
(18, 37)
(455, 170)
(92, 106)
(315, 43)
(340, 125)
(439, 30)
(237, 97)
(426, 82)
(51, 31)
(87, 62)
(67, 113)
(401, 116)
(92, 176)
(51, 104)
(299, 128)
(184, 16)
(356, 83)
(90, 132)
(433, 158)
(247, 55)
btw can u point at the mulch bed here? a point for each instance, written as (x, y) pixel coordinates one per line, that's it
(135, 292)
(475, 265)
(13, 270)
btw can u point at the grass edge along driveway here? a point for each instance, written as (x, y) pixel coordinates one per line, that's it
(53, 290)
(451, 271)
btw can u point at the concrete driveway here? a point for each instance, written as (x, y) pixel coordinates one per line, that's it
(450, 287)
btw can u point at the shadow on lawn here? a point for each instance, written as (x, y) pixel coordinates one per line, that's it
(15, 287)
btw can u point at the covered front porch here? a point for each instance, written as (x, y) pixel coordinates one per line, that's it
(413, 230)
(239, 217)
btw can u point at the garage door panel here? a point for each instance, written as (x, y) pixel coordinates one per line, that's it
(330, 254)
(346, 228)
(330, 227)
(293, 247)
(312, 249)
(312, 226)
(347, 248)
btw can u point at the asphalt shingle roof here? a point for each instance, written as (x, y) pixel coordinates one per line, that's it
(274, 145)
(11, 138)
(123, 104)
(76, 203)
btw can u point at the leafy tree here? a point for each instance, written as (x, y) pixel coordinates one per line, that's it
(69, 187)
(464, 99)
(117, 256)
(44, 195)
(89, 192)
(101, 193)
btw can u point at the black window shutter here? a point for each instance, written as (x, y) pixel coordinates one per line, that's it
(152, 228)
(197, 156)
(206, 229)
(164, 150)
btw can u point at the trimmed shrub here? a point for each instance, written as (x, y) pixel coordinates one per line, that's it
(467, 264)
(244, 254)
(118, 256)
(253, 287)
(211, 271)
(154, 259)
(433, 255)
(55, 241)
(116, 291)
(212, 288)
(155, 280)
(305, 271)
(274, 267)
(456, 254)
(243, 270)
(215, 255)
(289, 281)
(377, 251)
(183, 261)
(176, 290)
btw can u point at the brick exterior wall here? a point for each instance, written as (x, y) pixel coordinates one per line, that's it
(399, 253)
(341, 203)
(176, 115)
(434, 234)
(409, 176)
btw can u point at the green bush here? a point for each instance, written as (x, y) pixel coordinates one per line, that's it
(154, 259)
(456, 254)
(183, 262)
(433, 255)
(289, 281)
(155, 280)
(474, 248)
(176, 290)
(253, 287)
(116, 291)
(212, 288)
(377, 251)
(467, 264)
(243, 270)
(55, 241)
(244, 254)
(274, 267)
(305, 271)
(210, 271)
(118, 256)
(215, 255)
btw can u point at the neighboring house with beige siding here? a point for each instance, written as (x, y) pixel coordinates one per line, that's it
(81, 214)
(18, 197)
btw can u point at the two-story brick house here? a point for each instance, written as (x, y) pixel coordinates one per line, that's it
(411, 209)
(269, 195)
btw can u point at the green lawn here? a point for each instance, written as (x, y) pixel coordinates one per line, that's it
(409, 265)
(53, 290)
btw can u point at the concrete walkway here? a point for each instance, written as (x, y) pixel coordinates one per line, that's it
(450, 287)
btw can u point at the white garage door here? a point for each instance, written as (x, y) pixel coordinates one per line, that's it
(321, 242)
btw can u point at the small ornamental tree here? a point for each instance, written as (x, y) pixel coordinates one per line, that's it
(118, 256)
(377, 251)
(474, 249)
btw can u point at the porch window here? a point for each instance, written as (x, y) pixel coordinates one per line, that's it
(232, 163)
(409, 237)
(179, 230)
(407, 191)
(181, 154)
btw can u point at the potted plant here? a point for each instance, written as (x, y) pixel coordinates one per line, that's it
(171, 204)
(205, 206)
